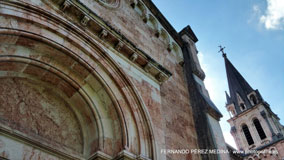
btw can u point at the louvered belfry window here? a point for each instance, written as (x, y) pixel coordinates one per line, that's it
(259, 129)
(247, 135)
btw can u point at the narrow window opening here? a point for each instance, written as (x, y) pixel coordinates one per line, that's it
(253, 99)
(243, 107)
(247, 135)
(259, 129)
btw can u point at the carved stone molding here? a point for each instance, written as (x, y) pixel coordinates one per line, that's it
(169, 47)
(119, 45)
(110, 3)
(157, 33)
(98, 28)
(145, 18)
(100, 156)
(133, 3)
(133, 57)
(148, 67)
(125, 155)
(85, 20)
(103, 34)
(161, 77)
(65, 5)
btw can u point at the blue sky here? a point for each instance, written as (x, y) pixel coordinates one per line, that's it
(252, 32)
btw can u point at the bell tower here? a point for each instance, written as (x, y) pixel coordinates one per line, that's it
(253, 124)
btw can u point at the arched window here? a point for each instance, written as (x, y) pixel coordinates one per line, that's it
(247, 135)
(259, 129)
(243, 107)
(253, 99)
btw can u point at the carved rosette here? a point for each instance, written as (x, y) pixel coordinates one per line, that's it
(110, 3)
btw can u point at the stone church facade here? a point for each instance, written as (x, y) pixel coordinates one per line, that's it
(255, 128)
(101, 80)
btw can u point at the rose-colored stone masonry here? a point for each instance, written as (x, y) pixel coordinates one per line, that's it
(38, 112)
(129, 23)
(167, 103)
(171, 113)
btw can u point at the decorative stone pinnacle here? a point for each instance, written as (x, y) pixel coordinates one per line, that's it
(133, 57)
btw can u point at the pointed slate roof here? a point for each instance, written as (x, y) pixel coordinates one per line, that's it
(228, 98)
(237, 85)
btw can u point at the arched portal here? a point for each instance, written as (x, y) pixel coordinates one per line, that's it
(73, 86)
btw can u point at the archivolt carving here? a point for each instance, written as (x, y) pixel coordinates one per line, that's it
(112, 117)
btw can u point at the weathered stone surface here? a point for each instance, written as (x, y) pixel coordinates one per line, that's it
(38, 112)
(74, 81)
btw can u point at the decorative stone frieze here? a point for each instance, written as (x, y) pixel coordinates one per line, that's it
(157, 33)
(133, 57)
(133, 3)
(85, 20)
(100, 29)
(161, 76)
(148, 67)
(103, 34)
(150, 18)
(65, 5)
(119, 45)
(110, 3)
(145, 18)
(169, 47)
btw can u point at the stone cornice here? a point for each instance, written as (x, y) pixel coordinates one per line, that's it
(164, 22)
(188, 31)
(88, 20)
(100, 156)
(244, 112)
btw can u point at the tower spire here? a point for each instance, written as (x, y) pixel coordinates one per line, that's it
(239, 88)
(228, 98)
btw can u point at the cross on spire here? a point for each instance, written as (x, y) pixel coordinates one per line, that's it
(222, 50)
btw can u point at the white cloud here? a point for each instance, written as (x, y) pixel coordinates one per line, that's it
(274, 15)
(256, 9)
